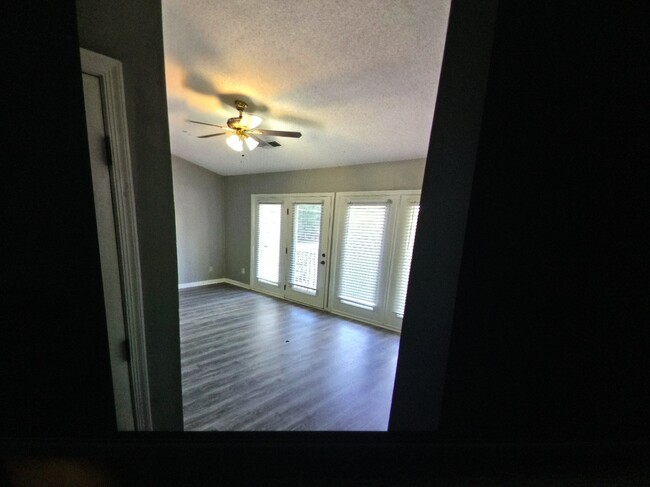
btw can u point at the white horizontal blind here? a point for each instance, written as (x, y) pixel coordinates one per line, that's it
(361, 255)
(305, 242)
(269, 219)
(404, 256)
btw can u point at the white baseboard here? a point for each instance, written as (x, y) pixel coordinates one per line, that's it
(237, 283)
(201, 283)
(367, 322)
(187, 285)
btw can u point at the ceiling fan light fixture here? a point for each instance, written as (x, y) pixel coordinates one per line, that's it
(251, 143)
(242, 129)
(235, 143)
(250, 121)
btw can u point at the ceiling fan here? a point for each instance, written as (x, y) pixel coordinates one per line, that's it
(243, 129)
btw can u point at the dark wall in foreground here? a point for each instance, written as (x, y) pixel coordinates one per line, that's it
(55, 376)
(549, 339)
(446, 190)
(55, 347)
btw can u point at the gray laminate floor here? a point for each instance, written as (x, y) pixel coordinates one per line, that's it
(254, 362)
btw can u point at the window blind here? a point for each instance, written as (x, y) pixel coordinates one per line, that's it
(404, 259)
(361, 255)
(269, 217)
(305, 243)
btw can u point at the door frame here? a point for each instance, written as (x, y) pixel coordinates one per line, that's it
(286, 227)
(109, 72)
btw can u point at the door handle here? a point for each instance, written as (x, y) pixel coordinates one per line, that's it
(322, 262)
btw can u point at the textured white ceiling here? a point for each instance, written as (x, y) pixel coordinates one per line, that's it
(358, 78)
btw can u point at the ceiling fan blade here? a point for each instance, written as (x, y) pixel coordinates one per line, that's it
(209, 135)
(258, 140)
(210, 124)
(277, 133)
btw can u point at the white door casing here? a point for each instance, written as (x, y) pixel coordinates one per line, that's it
(117, 232)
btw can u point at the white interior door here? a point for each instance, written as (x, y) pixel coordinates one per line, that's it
(109, 256)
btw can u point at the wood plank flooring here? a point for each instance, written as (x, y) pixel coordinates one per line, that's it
(252, 362)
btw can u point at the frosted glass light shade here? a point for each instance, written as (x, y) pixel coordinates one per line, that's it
(251, 143)
(250, 121)
(235, 143)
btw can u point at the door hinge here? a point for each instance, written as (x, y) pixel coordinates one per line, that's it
(287, 211)
(109, 152)
(126, 350)
(285, 287)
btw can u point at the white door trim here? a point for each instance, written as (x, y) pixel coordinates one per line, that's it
(110, 73)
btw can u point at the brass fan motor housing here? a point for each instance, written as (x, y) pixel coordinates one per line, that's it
(235, 122)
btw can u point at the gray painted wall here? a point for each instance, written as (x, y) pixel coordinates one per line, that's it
(131, 32)
(200, 214)
(363, 177)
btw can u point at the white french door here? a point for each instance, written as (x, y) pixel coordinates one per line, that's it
(371, 252)
(269, 258)
(373, 244)
(308, 250)
(291, 246)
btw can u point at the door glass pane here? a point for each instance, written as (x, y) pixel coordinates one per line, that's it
(305, 245)
(404, 259)
(268, 242)
(363, 244)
